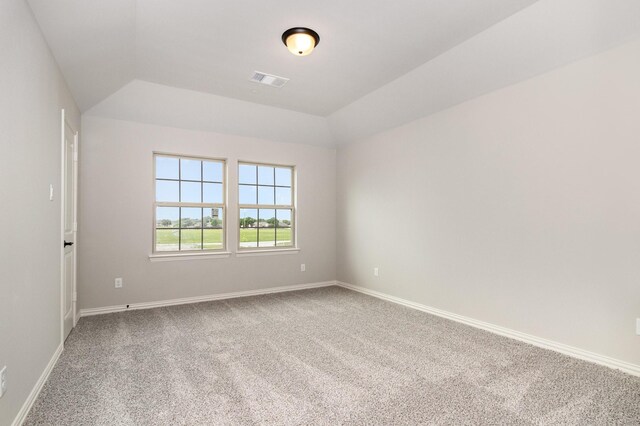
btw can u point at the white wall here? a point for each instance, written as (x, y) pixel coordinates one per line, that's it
(519, 208)
(33, 92)
(115, 225)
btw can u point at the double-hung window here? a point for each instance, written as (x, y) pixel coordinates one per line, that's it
(189, 204)
(266, 206)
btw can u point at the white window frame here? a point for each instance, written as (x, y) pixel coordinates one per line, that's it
(201, 252)
(292, 207)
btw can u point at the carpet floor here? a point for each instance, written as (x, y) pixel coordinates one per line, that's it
(320, 356)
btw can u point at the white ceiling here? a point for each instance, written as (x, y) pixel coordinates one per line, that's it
(547, 35)
(379, 64)
(152, 103)
(214, 46)
(93, 42)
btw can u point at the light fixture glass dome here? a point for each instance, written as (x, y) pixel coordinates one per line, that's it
(300, 41)
(300, 44)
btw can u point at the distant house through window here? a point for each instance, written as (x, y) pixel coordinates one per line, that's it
(266, 206)
(189, 204)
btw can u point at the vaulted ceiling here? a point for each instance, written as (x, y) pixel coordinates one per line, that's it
(214, 46)
(431, 53)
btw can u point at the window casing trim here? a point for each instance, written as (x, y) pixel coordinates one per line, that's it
(189, 255)
(280, 250)
(293, 207)
(176, 253)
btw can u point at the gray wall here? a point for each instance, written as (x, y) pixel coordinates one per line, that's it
(33, 92)
(115, 224)
(520, 208)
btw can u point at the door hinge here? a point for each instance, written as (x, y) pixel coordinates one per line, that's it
(75, 155)
(75, 226)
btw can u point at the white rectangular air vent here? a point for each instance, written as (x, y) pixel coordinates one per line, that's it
(268, 79)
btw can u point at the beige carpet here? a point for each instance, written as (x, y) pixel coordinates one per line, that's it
(323, 356)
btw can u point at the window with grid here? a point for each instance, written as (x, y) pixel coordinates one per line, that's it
(189, 204)
(266, 206)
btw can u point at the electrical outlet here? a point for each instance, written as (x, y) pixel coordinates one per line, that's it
(50, 192)
(3, 380)
(376, 272)
(638, 326)
(303, 267)
(118, 282)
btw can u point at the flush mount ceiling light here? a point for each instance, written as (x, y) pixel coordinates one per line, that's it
(300, 41)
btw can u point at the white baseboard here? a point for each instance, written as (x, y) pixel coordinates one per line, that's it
(523, 337)
(197, 299)
(26, 407)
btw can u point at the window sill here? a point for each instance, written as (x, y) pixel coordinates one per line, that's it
(267, 252)
(156, 257)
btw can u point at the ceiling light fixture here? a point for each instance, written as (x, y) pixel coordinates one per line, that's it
(300, 41)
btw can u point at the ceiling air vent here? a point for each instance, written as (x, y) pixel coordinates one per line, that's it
(268, 79)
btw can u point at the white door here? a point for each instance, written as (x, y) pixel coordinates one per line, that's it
(69, 177)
